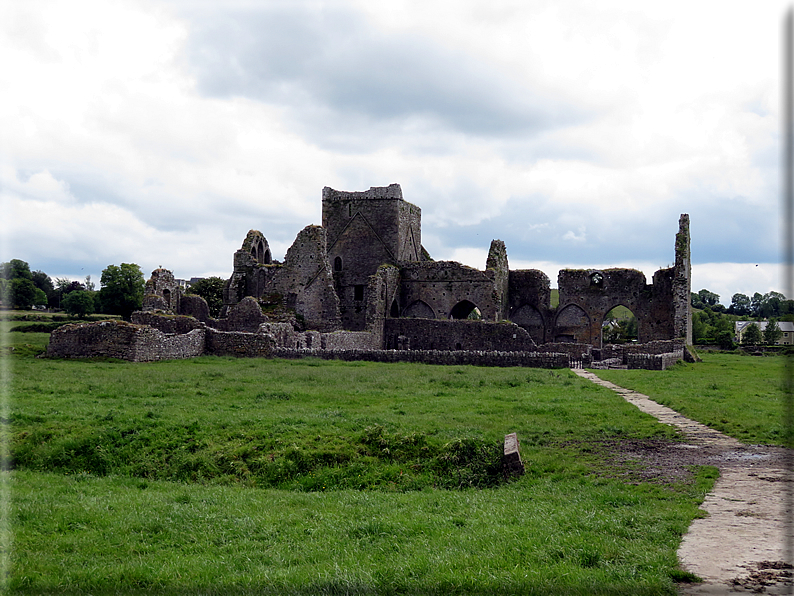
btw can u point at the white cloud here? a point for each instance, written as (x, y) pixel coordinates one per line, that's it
(571, 236)
(113, 149)
(727, 279)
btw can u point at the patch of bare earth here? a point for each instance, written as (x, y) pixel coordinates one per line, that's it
(738, 547)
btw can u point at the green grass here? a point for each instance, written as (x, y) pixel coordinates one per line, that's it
(222, 475)
(741, 396)
(79, 534)
(36, 321)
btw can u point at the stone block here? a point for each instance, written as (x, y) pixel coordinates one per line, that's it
(513, 465)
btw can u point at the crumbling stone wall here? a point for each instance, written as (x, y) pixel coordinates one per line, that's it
(587, 295)
(243, 316)
(384, 292)
(302, 283)
(166, 323)
(681, 284)
(497, 262)
(126, 341)
(193, 305)
(162, 292)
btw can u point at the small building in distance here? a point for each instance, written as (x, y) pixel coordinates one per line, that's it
(786, 331)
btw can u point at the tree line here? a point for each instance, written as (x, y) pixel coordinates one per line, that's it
(759, 306)
(121, 290)
(713, 323)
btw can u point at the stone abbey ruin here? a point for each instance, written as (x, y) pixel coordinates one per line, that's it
(361, 286)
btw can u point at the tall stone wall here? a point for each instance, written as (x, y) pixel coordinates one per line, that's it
(304, 282)
(426, 334)
(587, 295)
(433, 290)
(529, 302)
(497, 262)
(682, 283)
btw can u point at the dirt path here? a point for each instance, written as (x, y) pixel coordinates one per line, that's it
(739, 546)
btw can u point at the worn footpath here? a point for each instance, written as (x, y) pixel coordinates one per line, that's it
(739, 547)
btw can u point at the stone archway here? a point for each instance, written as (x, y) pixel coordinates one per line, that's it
(572, 325)
(528, 317)
(619, 325)
(419, 310)
(464, 310)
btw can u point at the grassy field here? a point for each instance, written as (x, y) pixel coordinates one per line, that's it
(739, 395)
(37, 321)
(219, 475)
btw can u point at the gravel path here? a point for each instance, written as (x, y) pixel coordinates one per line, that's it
(739, 546)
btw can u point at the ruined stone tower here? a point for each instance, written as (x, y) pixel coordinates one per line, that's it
(365, 230)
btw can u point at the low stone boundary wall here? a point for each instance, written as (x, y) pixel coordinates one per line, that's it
(653, 361)
(445, 357)
(126, 341)
(238, 343)
(348, 340)
(665, 346)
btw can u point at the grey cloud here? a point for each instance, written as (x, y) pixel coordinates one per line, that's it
(337, 70)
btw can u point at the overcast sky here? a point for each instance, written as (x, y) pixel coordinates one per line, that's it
(159, 132)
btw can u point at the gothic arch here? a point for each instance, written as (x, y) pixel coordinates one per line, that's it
(572, 325)
(463, 309)
(419, 310)
(528, 317)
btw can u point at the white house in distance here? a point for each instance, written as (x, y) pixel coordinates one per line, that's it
(786, 327)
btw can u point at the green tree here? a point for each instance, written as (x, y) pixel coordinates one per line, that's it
(15, 269)
(79, 303)
(725, 340)
(43, 282)
(740, 304)
(122, 289)
(771, 305)
(22, 293)
(211, 289)
(772, 333)
(752, 335)
(755, 304)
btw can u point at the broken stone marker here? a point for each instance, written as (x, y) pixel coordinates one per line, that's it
(512, 458)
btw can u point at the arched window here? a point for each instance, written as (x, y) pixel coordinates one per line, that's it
(463, 310)
(338, 264)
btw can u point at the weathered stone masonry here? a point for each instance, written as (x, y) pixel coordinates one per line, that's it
(362, 281)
